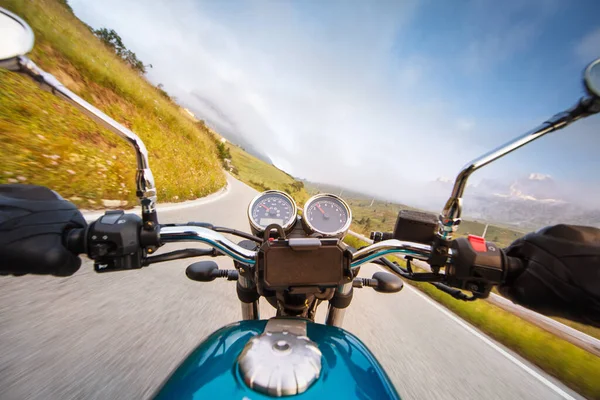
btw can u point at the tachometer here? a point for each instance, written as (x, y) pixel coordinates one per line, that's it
(327, 214)
(272, 207)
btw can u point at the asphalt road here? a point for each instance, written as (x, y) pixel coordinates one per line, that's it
(118, 335)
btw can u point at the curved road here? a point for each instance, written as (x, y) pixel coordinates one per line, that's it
(118, 335)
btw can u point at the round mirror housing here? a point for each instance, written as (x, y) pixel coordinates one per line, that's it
(16, 39)
(591, 78)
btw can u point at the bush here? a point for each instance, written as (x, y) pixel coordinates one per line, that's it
(223, 151)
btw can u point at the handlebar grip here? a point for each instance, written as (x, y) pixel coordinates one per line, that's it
(514, 267)
(75, 241)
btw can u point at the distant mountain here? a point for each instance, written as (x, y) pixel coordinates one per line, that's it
(528, 202)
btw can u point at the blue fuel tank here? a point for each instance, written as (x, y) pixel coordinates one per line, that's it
(211, 371)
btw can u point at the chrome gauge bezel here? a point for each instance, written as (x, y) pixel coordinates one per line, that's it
(312, 230)
(288, 226)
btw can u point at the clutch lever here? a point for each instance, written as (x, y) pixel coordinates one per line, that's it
(179, 254)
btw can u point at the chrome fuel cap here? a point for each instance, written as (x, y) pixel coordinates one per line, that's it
(282, 361)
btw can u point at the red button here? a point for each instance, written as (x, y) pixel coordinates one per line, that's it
(478, 243)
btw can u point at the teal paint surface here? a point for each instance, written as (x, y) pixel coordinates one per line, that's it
(349, 370)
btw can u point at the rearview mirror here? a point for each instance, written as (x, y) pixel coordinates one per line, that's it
(591, 78)
(588, 105)
(16, 39)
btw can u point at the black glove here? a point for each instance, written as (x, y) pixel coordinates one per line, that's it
(33, 220)
(560, 274)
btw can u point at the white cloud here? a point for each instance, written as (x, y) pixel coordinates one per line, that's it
(501, 30)
(536, 176)
(588, 48)
(465, 124)
(314, 96)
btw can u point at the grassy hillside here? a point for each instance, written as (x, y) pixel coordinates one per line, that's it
(45, 141)
(498, 234)
(262, 176)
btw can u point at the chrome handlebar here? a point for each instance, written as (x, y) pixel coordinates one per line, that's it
(377, 250)
(182, 233)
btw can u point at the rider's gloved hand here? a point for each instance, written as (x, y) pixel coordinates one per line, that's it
(33, 220)
(560, 274)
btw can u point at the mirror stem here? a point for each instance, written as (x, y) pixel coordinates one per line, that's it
(449, 219)
(145, 187)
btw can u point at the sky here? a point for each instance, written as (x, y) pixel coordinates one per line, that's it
(380, 96)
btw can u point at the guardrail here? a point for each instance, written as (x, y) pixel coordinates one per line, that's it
(573, 336)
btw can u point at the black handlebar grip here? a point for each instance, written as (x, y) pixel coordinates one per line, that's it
(514, 267)
(75, 241)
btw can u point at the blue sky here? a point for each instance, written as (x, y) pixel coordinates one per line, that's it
(379, 95)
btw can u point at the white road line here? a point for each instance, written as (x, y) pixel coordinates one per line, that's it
(164, 207)
(493, 345)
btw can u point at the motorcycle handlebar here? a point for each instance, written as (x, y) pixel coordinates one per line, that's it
(77, 241)
(180, 233)
(466, 264)
(170, 234)
(470, 265)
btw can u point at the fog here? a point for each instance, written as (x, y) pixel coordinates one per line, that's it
(341, 92)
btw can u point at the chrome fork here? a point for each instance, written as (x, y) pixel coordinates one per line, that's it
(335, 315)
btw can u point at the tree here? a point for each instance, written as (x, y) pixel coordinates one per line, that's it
(112, 40)
(223, 151)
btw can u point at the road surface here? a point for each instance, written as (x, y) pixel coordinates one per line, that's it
(118, 335)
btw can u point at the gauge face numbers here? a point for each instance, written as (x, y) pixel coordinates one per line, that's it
(272, 208)
(327, 215)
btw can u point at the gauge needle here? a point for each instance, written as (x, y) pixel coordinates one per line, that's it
(265, 207)
(322, 212)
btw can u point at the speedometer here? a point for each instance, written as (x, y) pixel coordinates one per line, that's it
(272, 207)
(327, 214)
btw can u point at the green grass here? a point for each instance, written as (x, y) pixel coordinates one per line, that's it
(262, 176)
(575, 367)
(45, 141)
(497, 234)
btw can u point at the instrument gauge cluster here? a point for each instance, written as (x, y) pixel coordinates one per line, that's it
(325, 215)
